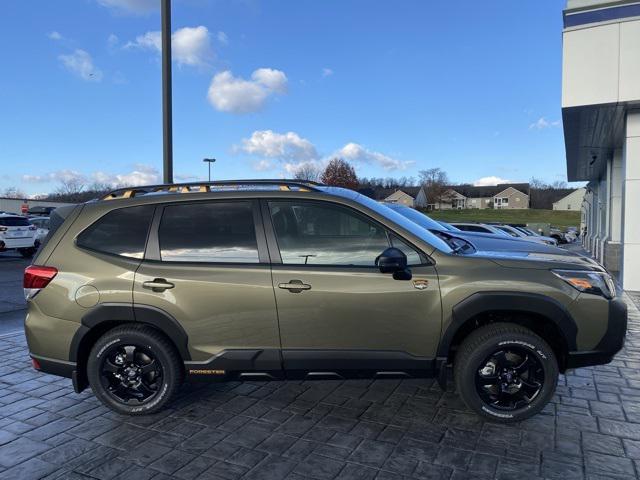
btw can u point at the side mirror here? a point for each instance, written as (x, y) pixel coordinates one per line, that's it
(392, 260)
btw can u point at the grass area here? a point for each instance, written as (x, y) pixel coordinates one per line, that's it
(557, 218)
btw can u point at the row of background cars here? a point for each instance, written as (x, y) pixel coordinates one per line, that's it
(488, 236)
(23, 234)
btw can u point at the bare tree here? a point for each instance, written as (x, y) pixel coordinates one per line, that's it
(13, 192)
(340, 173)
(435, 182)
(307, 171)
(70, 190)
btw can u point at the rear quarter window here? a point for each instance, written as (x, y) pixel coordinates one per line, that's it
(120, 232)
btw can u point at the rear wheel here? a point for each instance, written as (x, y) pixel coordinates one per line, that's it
(27, 252)
(134, 370)
(505, 372)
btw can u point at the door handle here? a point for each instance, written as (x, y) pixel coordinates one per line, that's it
(295, 286)
(158, 285)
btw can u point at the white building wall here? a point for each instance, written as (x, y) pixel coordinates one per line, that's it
(572, 202)
(631, 203)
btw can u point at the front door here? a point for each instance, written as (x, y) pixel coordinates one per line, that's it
(336, 310)
(207, 268)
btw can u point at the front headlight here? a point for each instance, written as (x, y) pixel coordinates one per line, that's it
(597, 283)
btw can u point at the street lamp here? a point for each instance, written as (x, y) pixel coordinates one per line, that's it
(209, 161)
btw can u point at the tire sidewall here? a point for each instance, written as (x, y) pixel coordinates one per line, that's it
(534, 345)
(115, 339)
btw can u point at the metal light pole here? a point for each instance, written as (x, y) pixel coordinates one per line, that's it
(167, 127)
(209, 161)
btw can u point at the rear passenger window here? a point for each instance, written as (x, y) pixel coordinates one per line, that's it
(208, 232)
(120, 232)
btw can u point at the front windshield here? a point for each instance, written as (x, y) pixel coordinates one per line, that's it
(415, 216)
(395, 217)
(449, 227)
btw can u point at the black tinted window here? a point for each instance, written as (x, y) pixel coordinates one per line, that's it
(314, 233)
(14, 222)
(208, 232)
(473, 228)
(120, 232)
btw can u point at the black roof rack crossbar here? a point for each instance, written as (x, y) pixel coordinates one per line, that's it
(193, 187)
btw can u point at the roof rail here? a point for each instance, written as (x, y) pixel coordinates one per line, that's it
(199, 187)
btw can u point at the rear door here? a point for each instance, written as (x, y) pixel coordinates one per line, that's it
(206, 265)
(336, 310)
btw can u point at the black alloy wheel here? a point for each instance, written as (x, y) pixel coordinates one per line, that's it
(510, 379)
(131, 374)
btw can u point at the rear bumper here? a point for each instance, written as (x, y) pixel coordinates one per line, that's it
(610, 344)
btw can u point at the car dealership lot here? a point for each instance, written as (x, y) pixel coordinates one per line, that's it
(322, 429)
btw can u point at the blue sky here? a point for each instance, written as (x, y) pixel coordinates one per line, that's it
(394, 87)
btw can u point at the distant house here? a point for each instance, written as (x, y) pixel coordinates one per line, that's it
(572, 202)
(505, 195)
(409, 196)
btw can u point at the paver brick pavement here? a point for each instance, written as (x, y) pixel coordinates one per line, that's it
(352, 429)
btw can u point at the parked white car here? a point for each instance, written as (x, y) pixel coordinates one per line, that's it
(16, 233)
(527, 235)
(42, 224)
(480, 228)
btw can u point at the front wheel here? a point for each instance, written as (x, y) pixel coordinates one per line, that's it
(134, 370)
(505, 372)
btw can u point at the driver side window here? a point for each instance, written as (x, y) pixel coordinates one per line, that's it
(315, 233)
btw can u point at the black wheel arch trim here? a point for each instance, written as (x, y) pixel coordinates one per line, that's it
(481, 302)
(123, 313)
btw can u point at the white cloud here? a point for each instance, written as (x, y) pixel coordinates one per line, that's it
(55, 36)
(327, 72)
(490, 181)
(112, 40)
(57, 176)
(131, 6)
(140, 175)
(262, 165)
(81, 63)
(543, 123)
(283, 146)
(189, 45)
(353, 152)
(271, 79)
(237, 95)
(223, 38)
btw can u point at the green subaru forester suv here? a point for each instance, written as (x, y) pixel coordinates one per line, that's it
(135, 292)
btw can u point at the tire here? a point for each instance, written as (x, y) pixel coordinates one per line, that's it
(27, 252)
(154, 364)
(499, 363)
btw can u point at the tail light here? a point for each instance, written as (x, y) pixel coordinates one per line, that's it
(36, 278)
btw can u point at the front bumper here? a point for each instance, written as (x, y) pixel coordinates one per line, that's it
(610, 344)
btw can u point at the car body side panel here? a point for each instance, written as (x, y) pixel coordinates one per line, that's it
(359, 309)
(461, 277)
(220, 307)
(47, 336)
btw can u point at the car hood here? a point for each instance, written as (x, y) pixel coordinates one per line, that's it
(554, 258)
(515, 253)
(497, 243)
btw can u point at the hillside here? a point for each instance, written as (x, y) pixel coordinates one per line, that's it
(557, 218)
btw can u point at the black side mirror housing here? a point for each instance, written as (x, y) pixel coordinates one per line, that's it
(393, 260)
